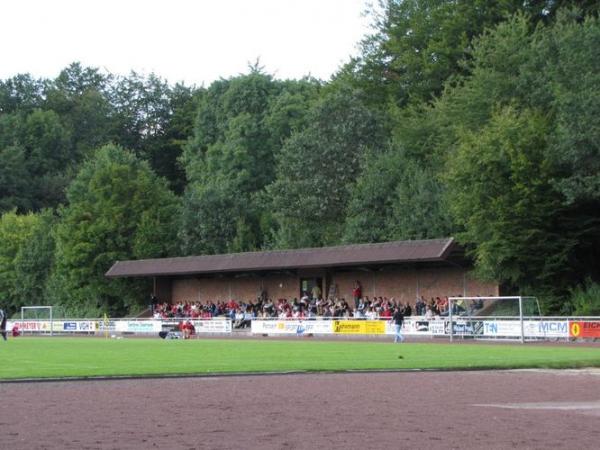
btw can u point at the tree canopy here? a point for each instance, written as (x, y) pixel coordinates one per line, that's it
(118, 209)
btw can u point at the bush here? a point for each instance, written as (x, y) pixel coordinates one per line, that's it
(586, 299)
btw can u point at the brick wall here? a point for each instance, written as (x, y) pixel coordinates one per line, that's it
(407, 285)
(241, 288)
(404, 285)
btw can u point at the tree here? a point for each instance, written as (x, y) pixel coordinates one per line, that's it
(212, 217)
(527, 70)
(418, 207)
(396, 197)
(418, 45)
(118, 209)
(14, 186)
(35, 150)
(574, 68)
(230, 123)
(501, 192)
(317, 167)
(288, 110)
(153, 119)
(80, 96)
(35, 260)
(241, 125)
(371, 197)
(15, 231)
(20, 93)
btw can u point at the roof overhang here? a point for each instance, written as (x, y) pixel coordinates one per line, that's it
(398, 252)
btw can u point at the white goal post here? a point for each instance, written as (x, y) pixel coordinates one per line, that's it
(35, 310)
(501, 307)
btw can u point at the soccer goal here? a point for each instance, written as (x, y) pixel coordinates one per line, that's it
(507, 318)
(37, 319)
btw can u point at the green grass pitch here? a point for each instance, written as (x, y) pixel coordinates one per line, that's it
(95, 357)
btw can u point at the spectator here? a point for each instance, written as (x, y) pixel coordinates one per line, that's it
(187, 329)
(386, 312)
(420, 306)
(371, 314)
(242, 319)
(356, 293)
(153, 302)
(362, 305)
(428, 313)
(316, 291)
(433, 307)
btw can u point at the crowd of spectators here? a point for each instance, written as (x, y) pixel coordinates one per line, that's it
(305, 307)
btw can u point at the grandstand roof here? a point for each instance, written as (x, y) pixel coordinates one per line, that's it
(432, 250)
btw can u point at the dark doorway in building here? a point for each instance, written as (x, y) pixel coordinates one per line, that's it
(313, 287)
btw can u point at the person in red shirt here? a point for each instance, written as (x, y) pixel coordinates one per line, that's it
(187, 329)
(386, 312)
(357, 293)
(191, 329)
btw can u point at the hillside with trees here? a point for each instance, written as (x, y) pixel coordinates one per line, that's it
(473, 119)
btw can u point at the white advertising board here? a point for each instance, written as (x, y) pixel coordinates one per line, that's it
(298, 327)
(212, 326)
(75, 326)
(410, 327)
(57, 326)
(39, 326)
(422, 327)
(546, 328)
(138, 326)
(531, 328)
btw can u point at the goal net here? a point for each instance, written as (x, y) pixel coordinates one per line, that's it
(507, 318)
(37, 319)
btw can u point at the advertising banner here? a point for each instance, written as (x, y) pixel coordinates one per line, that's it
(138, 326)
(40, 326)
(546, 328)
(57, 326)
(419, 327)
(106, 325)
(465, 327)
(502, 328)
(359, 326)
(589, 329)
(76, 326)
(437, 327)
(298, 327)
(531, 328)
(212, 326)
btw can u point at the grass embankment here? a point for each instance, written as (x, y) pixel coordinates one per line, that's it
(85, 357)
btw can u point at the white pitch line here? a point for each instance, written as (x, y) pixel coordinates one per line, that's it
(560, 406)
(594, 371)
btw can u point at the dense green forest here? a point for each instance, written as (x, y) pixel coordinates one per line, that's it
(477, 119)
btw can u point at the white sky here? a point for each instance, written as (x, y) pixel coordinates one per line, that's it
(195, 41)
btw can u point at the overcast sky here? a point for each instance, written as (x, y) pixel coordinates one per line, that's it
(195, 41)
